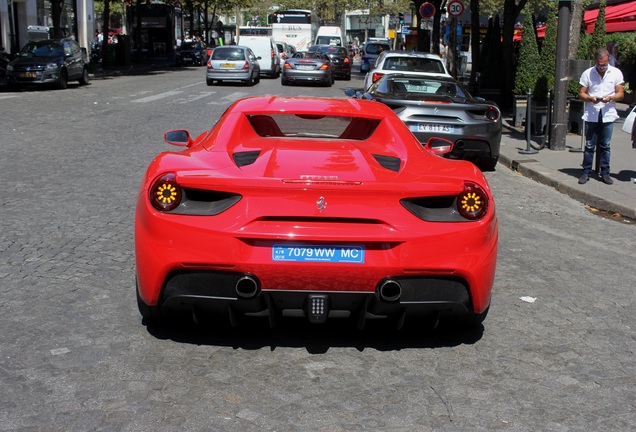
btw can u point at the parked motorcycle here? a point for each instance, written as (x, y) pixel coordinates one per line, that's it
(96, 52)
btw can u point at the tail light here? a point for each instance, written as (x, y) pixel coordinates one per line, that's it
(287, 66)
(165, 194)
(346, 60)
(473, 202)
(492, 113)
(210, 64)
(246, 66)
(376, 76)
(325, 66)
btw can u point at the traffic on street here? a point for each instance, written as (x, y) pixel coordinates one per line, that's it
(556, 352)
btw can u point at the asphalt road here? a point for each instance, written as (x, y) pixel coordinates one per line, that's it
(75, 356)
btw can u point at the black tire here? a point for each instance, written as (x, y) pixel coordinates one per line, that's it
(250, 81)
(284, 82)
(84, 80)
(62, 83)
(487, 163)
(209, 81)
(348, 77)
(257, 79)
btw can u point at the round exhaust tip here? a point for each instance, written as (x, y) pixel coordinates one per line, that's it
(247, 287)
(390, 290)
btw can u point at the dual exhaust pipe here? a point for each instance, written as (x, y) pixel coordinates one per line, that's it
(248, 287)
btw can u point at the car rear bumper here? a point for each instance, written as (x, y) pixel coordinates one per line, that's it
(229, 75)
(227, 294)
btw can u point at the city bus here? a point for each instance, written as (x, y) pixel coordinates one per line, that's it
(294, 27)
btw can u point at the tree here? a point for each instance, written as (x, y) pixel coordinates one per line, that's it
(547, 60)
(598, 36)
(528, 63)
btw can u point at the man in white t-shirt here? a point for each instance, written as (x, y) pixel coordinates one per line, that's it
(601, 87)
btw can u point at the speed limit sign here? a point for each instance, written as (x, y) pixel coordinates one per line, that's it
(456, 8)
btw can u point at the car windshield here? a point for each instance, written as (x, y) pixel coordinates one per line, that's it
(414, 64)
(50, 49)
(333, 50)
(313, 126)
(228, 54)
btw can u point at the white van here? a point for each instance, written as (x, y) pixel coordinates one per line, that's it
(328, 35)
(265, 49)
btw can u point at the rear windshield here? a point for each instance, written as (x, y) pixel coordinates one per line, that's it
(422, 87)
(375, 48)
(313, 126)
(228, 54)
(413, 64)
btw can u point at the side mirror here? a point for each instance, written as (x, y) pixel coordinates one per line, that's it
(439, 146)
(179, 138)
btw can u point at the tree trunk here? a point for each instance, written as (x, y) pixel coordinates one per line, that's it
(56, 15)
(138, 32)
(105, 30)
(474, 44)
(575, 28)
(511, 12)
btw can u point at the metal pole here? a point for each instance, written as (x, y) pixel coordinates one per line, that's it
(529, 149)
(559, 128)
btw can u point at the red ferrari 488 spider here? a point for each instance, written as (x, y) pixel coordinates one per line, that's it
(317, 208)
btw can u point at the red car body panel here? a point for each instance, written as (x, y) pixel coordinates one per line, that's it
(279, 205)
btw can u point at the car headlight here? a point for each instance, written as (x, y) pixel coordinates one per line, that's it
(51, 66)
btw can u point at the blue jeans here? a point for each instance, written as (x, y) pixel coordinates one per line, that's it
(597, 134)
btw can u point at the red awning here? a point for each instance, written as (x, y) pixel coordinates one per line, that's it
(519, 32)
(618, 18)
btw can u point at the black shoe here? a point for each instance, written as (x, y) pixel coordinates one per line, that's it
(583, 179)
(607, 180)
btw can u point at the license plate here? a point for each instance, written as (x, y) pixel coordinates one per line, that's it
(304, 67)
(428, 127)
(321, 254)
(28, 74)
(227, 65)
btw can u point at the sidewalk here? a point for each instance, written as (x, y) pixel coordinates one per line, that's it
(561, 169)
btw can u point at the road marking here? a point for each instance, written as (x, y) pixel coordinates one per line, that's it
(193, 98)
(229, 98)
(157, 96)
(8, 96)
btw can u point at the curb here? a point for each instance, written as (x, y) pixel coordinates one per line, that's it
(549, 177)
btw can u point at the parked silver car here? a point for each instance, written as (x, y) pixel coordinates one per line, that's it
(441, 107)
(413, 63)
(233, 63)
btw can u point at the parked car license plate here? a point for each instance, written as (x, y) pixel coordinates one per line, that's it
(315, 253)
(227, 65)
(429, 127)
(28, 74)
(305, 67)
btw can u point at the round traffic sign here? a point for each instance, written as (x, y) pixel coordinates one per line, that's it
(455, 8)
(427, 10)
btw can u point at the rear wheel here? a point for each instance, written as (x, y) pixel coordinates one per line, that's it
(250, 81)
(487, 163)
(284, 82)
(209, 81)
(84, 80)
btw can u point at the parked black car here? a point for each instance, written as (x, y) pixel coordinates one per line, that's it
(195, 53)
(53, 61)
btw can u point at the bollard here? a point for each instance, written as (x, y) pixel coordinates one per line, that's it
(529, 149)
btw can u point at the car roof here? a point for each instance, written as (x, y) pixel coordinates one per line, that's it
(396, 53)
